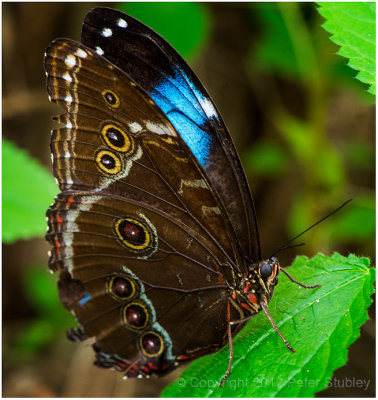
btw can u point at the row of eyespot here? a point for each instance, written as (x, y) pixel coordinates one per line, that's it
(132, 233)
(115, 138)
(135, 314)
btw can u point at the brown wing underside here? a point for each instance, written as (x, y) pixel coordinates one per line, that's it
(134, 207)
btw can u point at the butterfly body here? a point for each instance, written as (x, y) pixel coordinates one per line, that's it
(154, 231)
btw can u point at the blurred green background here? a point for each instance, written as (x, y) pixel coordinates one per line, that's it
(304, 128)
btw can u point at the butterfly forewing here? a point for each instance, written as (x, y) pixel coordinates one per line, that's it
(149, 60)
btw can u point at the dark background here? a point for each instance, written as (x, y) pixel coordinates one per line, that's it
(303, 126)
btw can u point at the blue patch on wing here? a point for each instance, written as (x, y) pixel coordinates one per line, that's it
(181, 102)
(198, 140)
(84, 300)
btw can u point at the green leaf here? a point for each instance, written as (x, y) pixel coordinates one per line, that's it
(28, 190)
(319, 323)
(184, 26)
(353, 28)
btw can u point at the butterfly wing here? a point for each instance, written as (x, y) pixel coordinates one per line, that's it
(137, 232)
(149, 60)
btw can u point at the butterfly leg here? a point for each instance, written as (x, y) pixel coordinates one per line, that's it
(275, 327)
(231, 355)
(298, 283)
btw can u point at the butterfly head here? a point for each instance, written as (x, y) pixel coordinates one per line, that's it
(258, 286)
(267, 273)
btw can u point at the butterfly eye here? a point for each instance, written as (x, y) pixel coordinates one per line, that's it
(266, 271)
(274, 261)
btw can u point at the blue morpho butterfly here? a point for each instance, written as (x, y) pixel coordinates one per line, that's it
(154, 232)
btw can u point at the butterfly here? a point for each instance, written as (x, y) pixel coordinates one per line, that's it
(154, 232)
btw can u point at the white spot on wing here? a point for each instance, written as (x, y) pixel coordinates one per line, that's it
(81, 53)
(67, 77)
(68, 239)
(68, 125)
(107, 32)
(208, 107)
(195, 183)
(156, 128)
(68, 98)
(209, 210)
(87, 202)
(70, 61)
(72, 227)
(99, 50)
(122, 23)
(135, 127)
(105, 182)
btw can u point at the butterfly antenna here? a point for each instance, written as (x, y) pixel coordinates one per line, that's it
(292, 246)
(286, 245)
